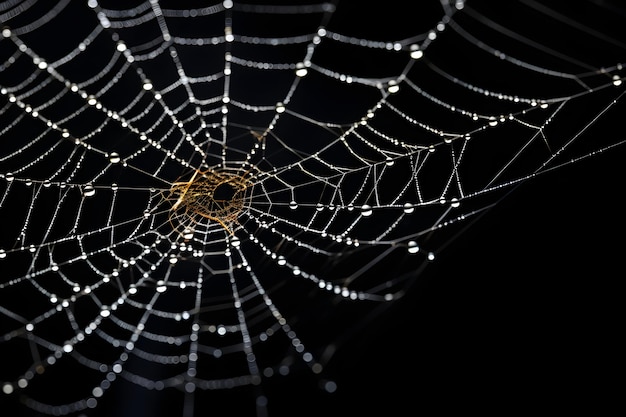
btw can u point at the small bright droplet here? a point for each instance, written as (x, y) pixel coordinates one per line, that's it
(366, 210)
(293, 205)
(89, 191)
(9, 177)
(454, 202)
(235, 242)
(417, 54)
(280, 108)
(413, 247)
(3, 254)
(393, 87)
(161, 287)
(173, 259)
(408, 208)
(188, 234)
(617, 81)
(114, 157)
(301, 70)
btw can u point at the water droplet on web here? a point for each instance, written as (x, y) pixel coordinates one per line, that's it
(293, 205)
(89, 190)
(188, 233)
(7, 388)
(617, 81)
(235, 242)
(9, 177)
(3, 254)
(408, 208)
(413, 247)
(366, 210)
(114, 157)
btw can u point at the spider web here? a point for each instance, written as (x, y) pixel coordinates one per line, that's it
(193, 192)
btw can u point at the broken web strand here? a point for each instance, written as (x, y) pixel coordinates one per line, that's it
(272, 188)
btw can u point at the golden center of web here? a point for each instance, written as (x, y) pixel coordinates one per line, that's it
(210, 194)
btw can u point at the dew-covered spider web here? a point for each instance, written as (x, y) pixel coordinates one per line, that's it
(191, 193)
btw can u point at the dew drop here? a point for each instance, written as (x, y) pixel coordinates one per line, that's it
(161, 287)
(413, 247)
(417, 54)
(301, 69)
(3, 254)
(114, 157)
(366, 210)
(293, 205)
(89, 191)
(617, 81)
(7, 388)
(9, 177)
(408, 208)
